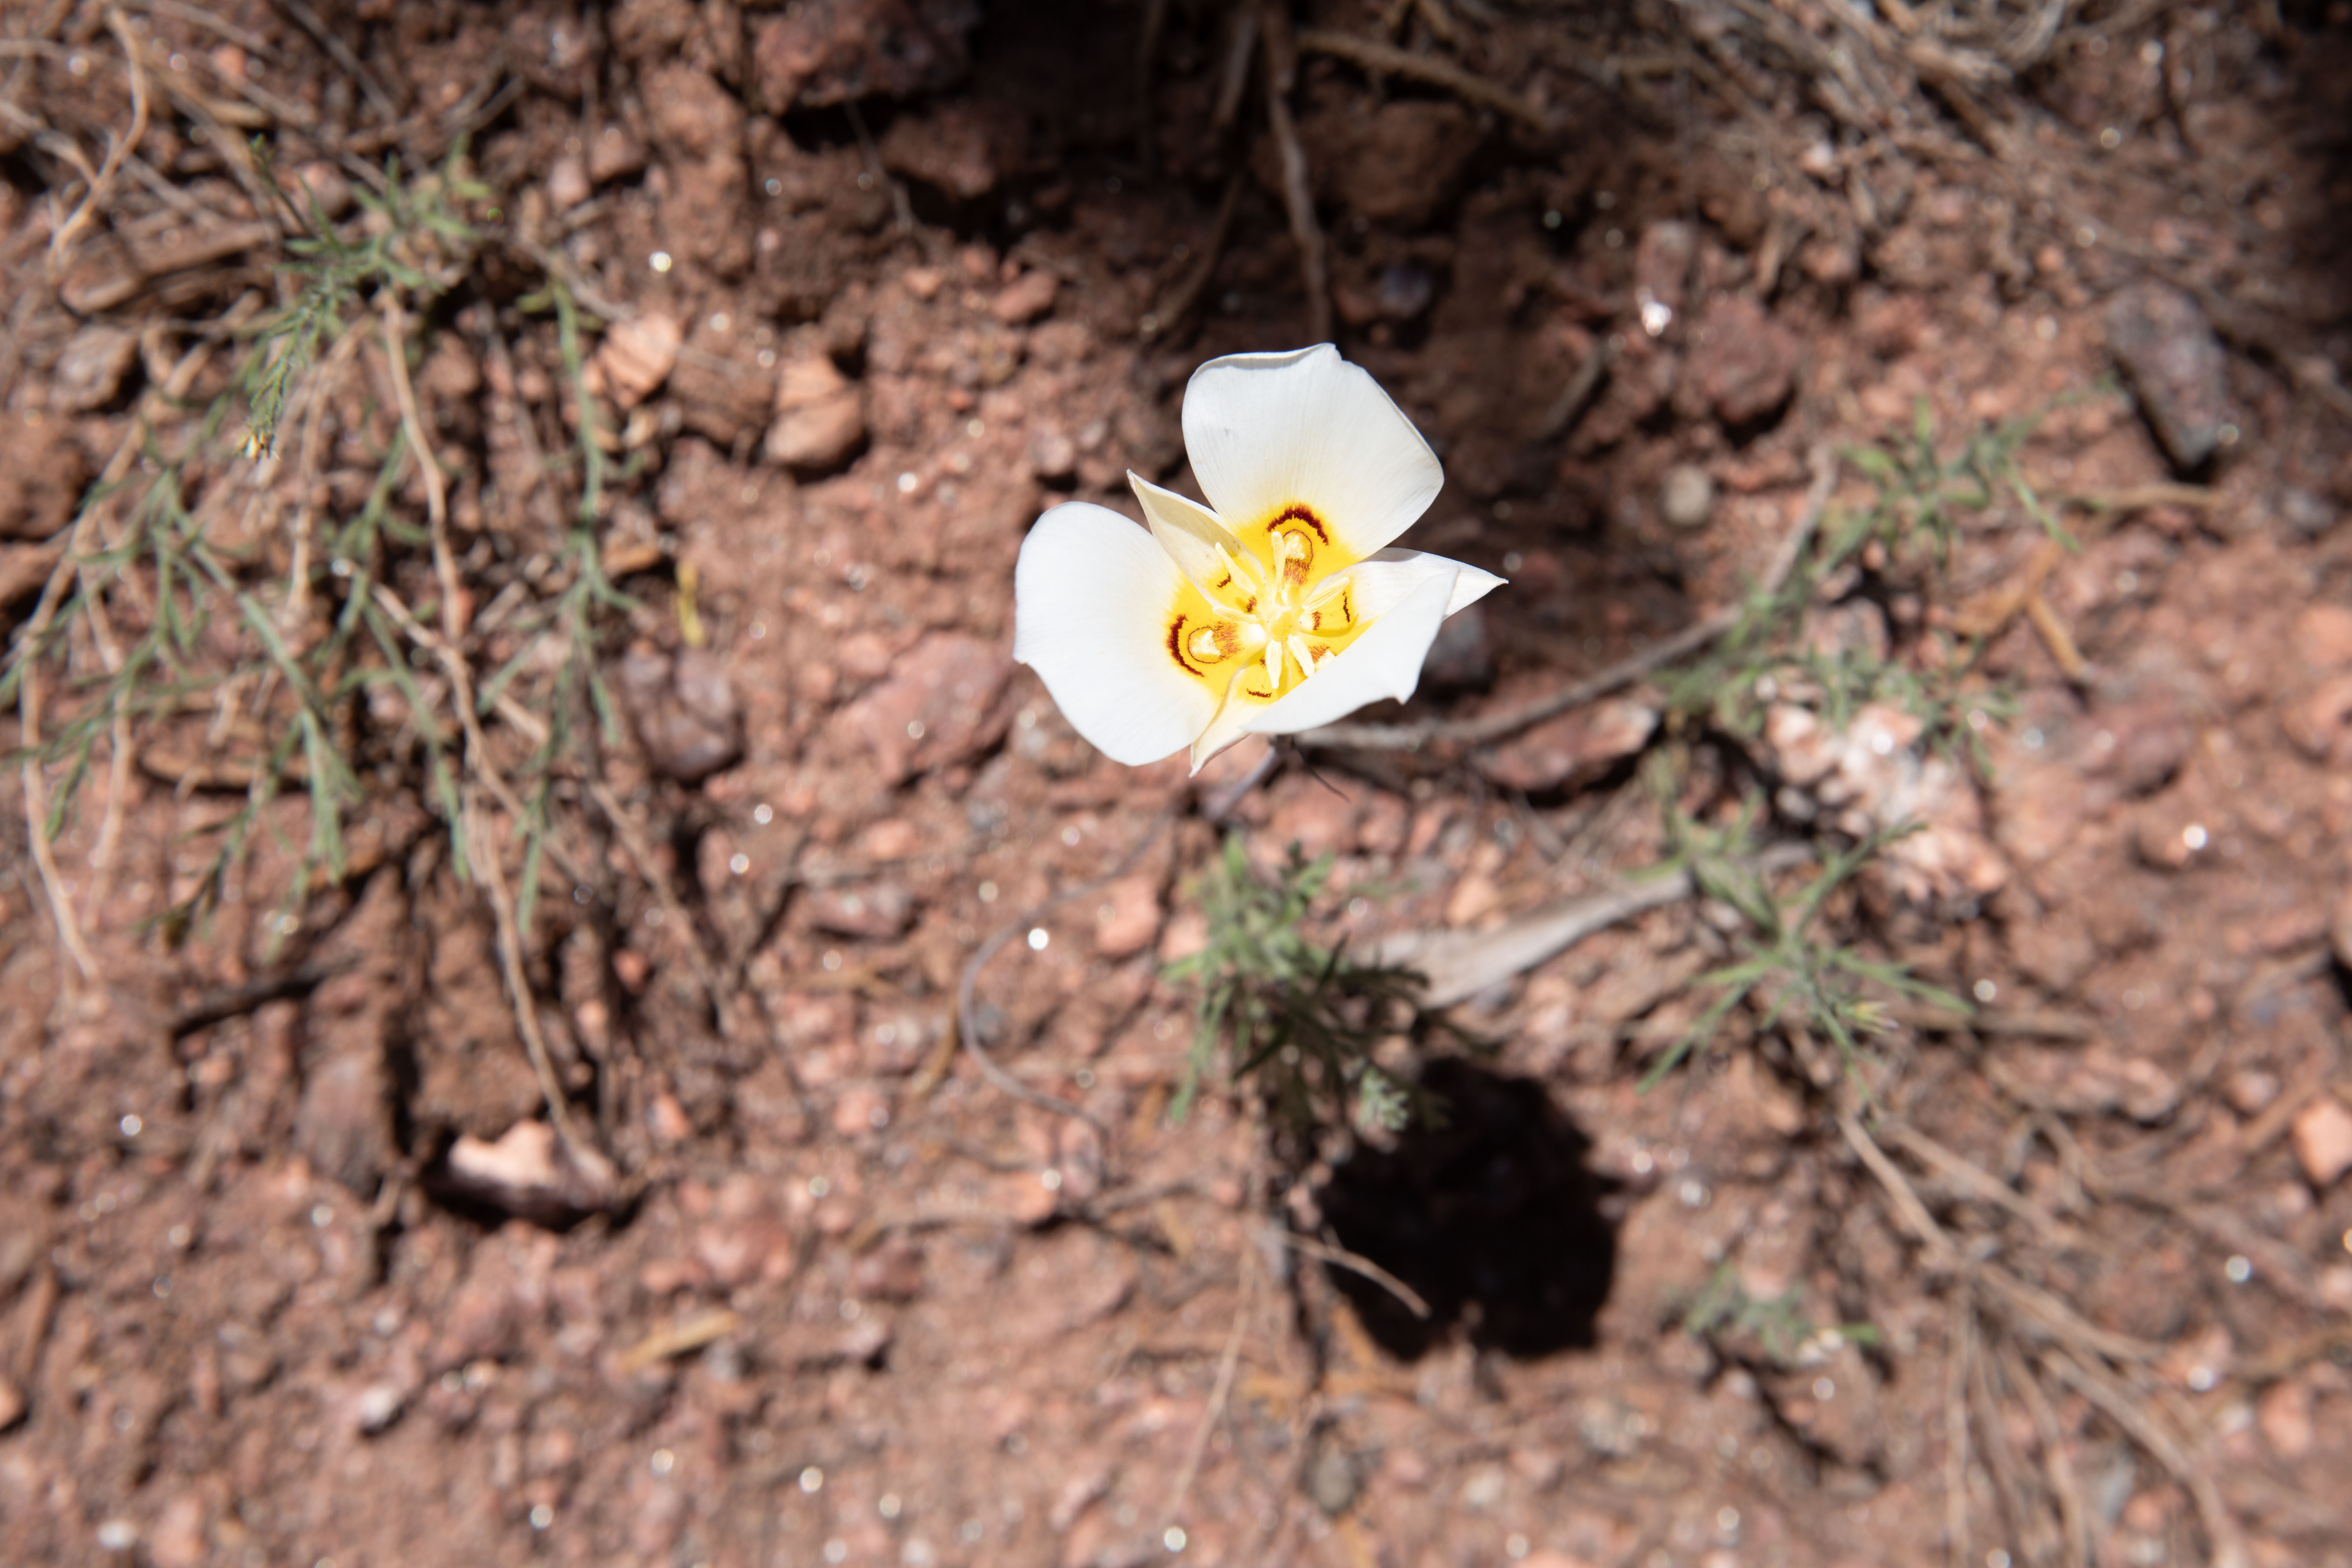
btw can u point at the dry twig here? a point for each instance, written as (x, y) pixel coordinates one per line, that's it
(1624, 673)
(1374, 56)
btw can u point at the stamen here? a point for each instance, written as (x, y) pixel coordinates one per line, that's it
(1328, 589)
(1274, 666)
(1303, 651)
(1242, 569)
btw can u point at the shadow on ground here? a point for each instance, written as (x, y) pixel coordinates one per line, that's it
(1492, 1215)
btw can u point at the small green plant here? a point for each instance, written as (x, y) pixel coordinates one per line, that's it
(1903, 535)
(1722, 1312)
(1794, 963)
(133, 637)
(1301, 1020)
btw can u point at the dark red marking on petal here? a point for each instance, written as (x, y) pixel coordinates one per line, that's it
(1304, 513)
(1176, 648)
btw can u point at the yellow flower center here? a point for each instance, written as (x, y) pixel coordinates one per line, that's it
(1284, 605)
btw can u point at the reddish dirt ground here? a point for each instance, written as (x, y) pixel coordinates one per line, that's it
(295, 1266)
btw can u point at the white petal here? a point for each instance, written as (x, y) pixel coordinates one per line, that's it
(1188, 531)
(1091, 594)
(1383, 662)
(1388, 578)
(1231, 726)
(1266, 430)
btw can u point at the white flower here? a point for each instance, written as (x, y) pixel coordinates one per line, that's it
(1279, 610)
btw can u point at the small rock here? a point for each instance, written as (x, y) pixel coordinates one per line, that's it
(1331, 1479)
(892, 1272)
(2322, 1139)
(951, 147)
(343, 1123)
(91, 371)
(1026, 298)
(2323, 636)
(823, 52)
(690, 114)
(2168, 352)
(2321, 724)
(2250, 1091)
(1400, 164)
(939, 705)
(1127, 919)
(1662, 263)
(1405, 291)
(737, 1251)
(526, 1172)
(41, 477)
(1053, 455)
(1574, 748)
(2285, 1417)
(636, 357)
(2339, 928)
(179, 1539)
(25, 568)
(12, 1404)
(567, 182)
(722, 391)
(685, 711)
(1686, 499)
(874, 912)
(614, 154)
(322, 183)
(377, 1407)
(1747, 367)
(820, 417)
(2307, 516)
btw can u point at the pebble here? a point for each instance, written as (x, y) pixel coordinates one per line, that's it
(1333, 1481)
(939, 706)
(343, 1123)
(2323, 636)
(2322, 1139)
(636, 357)
(1686, 499)
(1053, 455)
(877, 911)
(1127, 917)
(685, 710)
(40, 479)
(1574, 748)
(12, 1404)
(1747, 369)
(2285, 1417)
(820, 417)
(526, 1173)
(2168, 352)
(91, 371)
(1026, 298)
(614, 154)
(567, 182)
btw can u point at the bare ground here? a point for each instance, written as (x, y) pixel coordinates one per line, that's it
(303, 1255)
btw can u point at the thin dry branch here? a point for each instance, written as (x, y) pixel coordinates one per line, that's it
(1375, 56)
(1219, 1392)
(101, 185)
(1624, 673)
(491, 873)
(1354, 1263)
(1297, 186)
